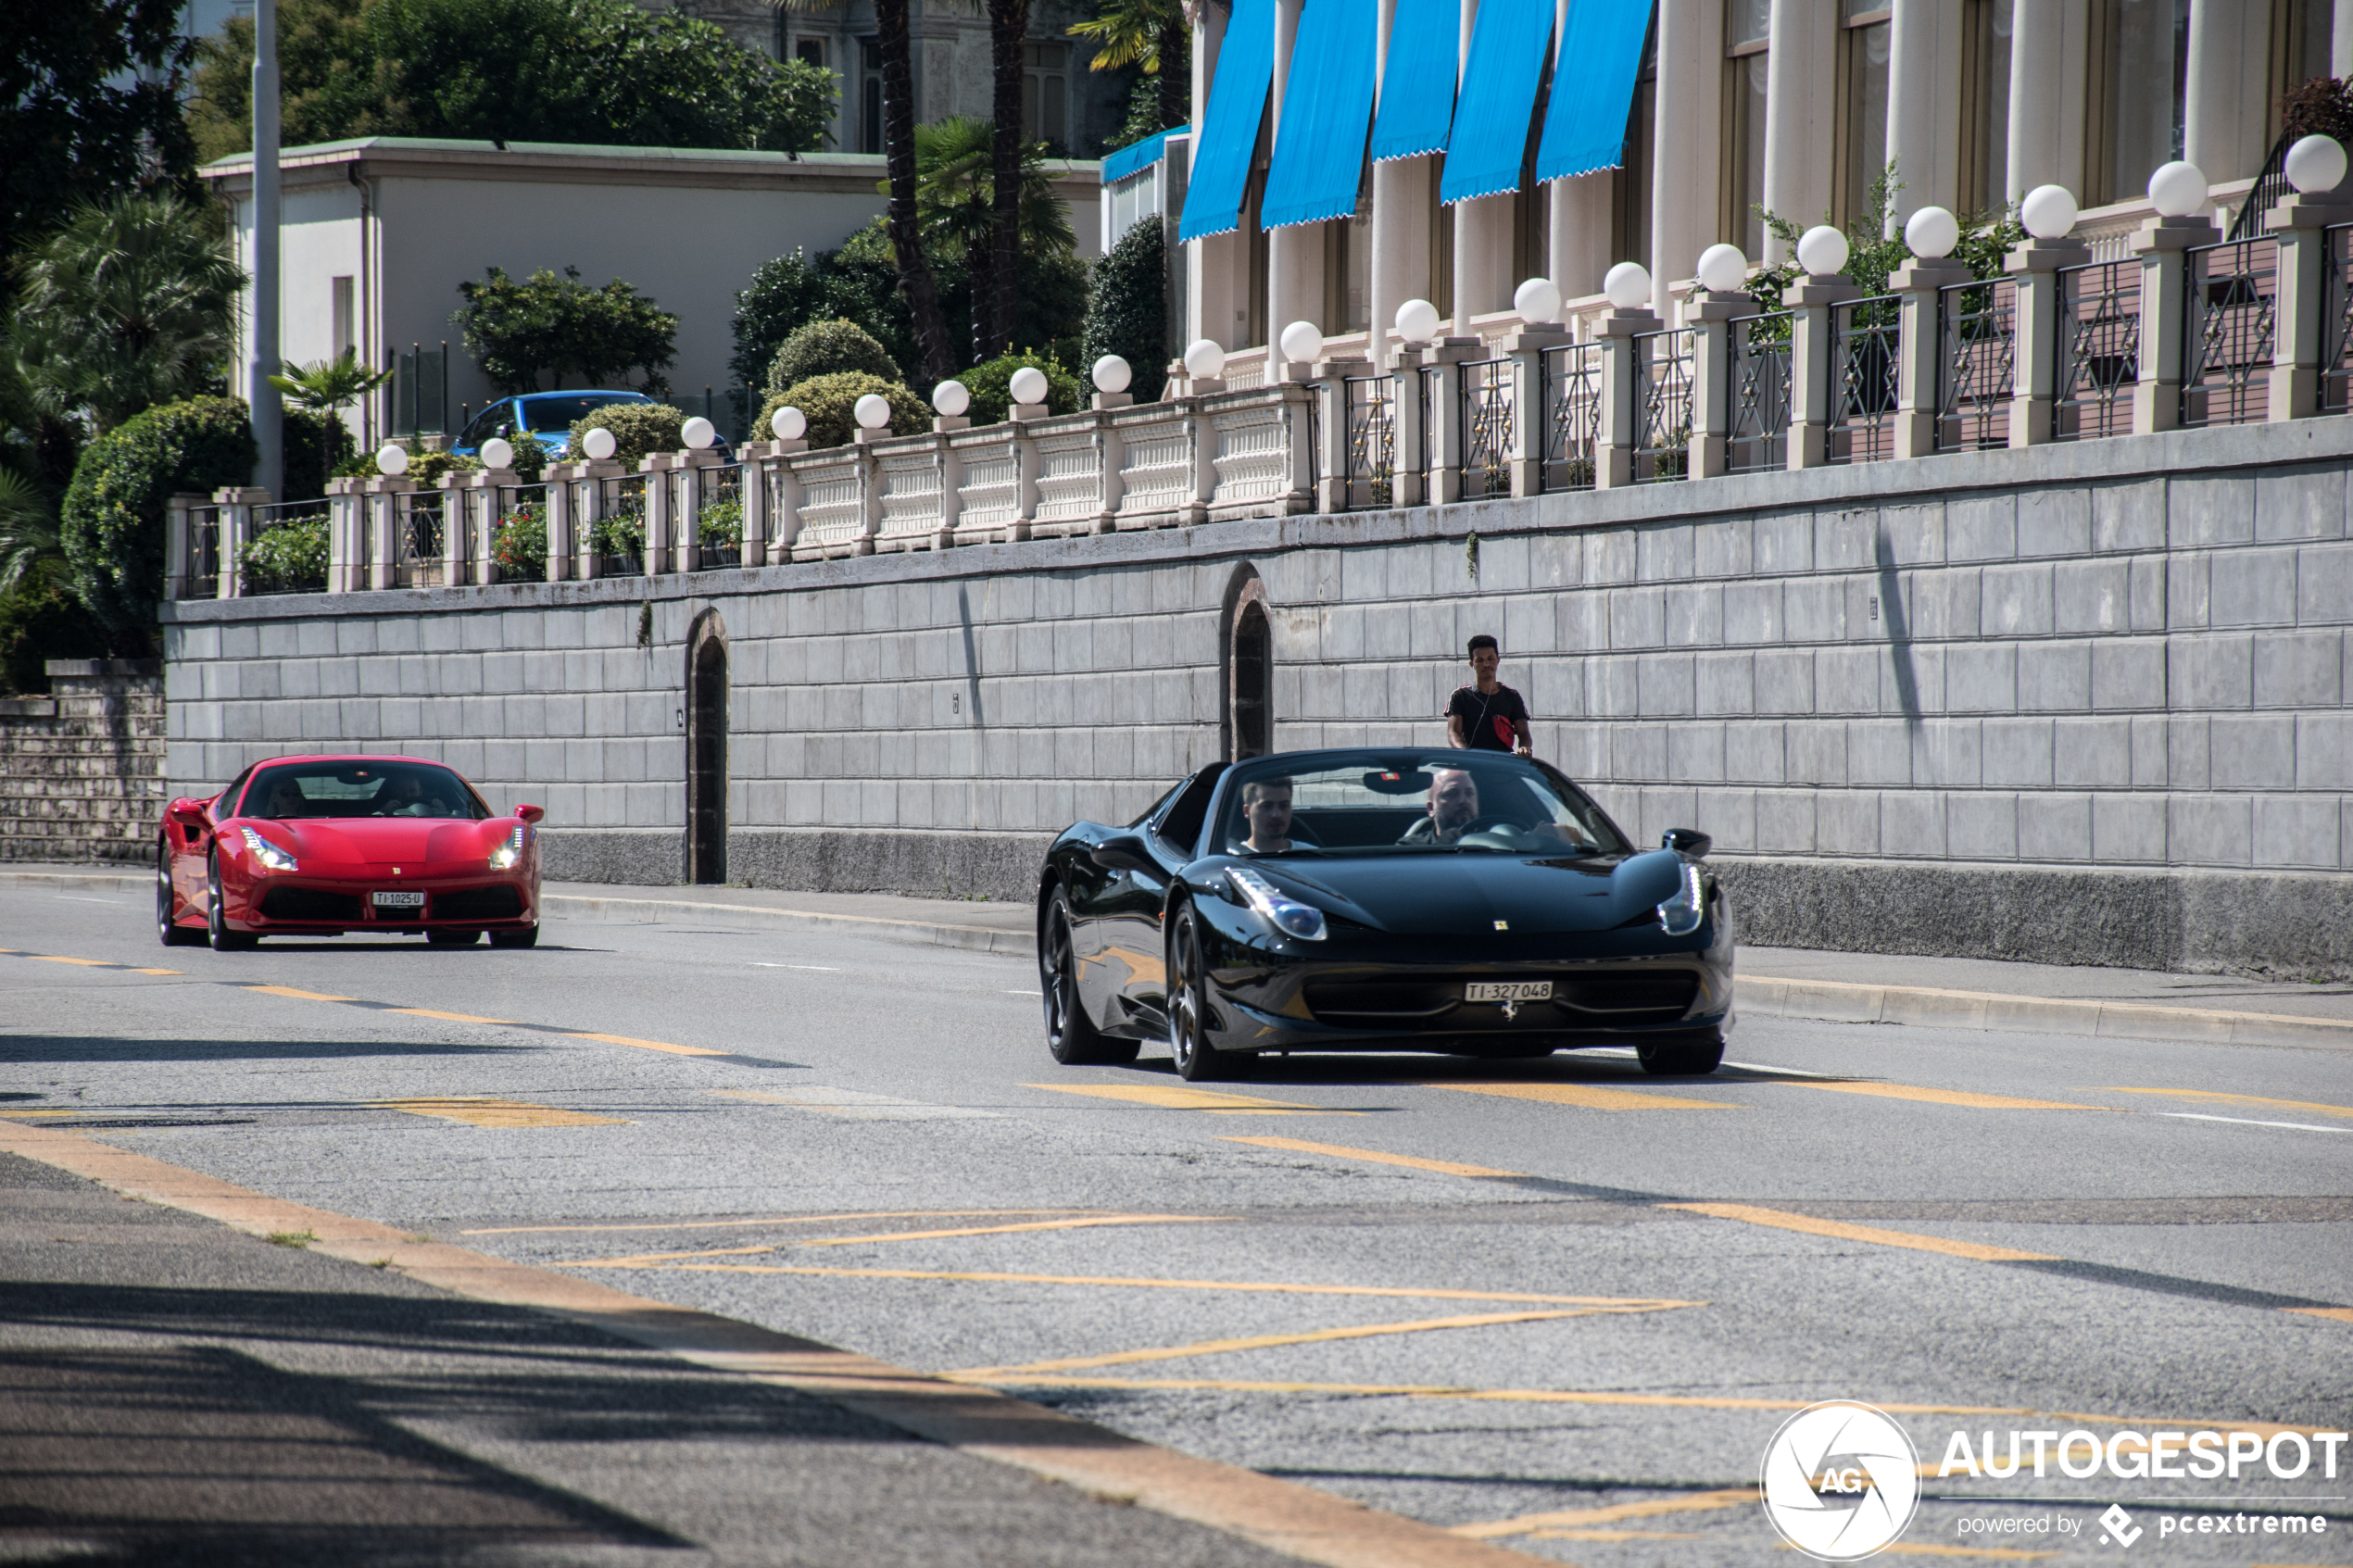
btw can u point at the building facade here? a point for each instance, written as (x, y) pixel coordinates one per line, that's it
(1649, 138)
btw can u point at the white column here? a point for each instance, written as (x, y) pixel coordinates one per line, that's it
(1689, 143)
(1578, 250)
(1483, 280)
(1400, 239)
(1800, 83)
(1294, 254)
(2049, 47)
(1924, 109)
(2226, 107)
(1214, 272)
(2341, 40)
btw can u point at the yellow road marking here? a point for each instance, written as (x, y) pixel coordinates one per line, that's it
(2235, 1100)
(780, 1220)
(1614, 1536)
(1340, 1151)
(158, 971)
(1589, 1097)
(85, 964)
(1942, 1097)
(1170, 1097)
(452, 1016)
(1697, 1502)
(1266, 1342)
(907, 1235)
(663, 1046)
(2342, 1314)
(1271, 1286)
(298, 996)
(501, 1113)
(43, 1113)
(1840, 1230)
(642, 1045)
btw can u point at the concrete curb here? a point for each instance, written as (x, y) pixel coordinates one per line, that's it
(1761, 996)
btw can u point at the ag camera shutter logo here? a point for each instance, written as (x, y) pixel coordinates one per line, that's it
(1840, 1481)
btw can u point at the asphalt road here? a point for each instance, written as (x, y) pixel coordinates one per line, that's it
(1557, 1305)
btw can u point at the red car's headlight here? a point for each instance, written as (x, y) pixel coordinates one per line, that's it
(269, 856)
(507, 854)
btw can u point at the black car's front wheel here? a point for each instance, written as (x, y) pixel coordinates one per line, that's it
(1188, 1040)
(1681, 1056)
(1071, 1036)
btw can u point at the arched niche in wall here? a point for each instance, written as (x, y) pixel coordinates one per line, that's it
(1246, 651)
(707, 749)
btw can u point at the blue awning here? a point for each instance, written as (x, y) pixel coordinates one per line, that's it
(1509, 44)
(1417, 88)
(1593, 88)
(1136, 156)
(1230, 130)
(1327, 107)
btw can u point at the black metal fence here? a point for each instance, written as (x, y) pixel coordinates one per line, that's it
(1757, 422)
(1976, 364)
(1864, 373)
(1572, 415)
(617, 532)
(1663, 405)
(2232, 292)
(1487, 415)
(719, 515)
(1369, 404)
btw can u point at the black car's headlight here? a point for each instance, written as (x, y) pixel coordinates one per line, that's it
(1285, 914)
(1680, 915)
(507, 854)
(269, 856)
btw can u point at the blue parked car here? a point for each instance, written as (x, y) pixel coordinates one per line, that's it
(547, 416)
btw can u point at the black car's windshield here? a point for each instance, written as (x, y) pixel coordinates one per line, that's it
(360, 789)
(559, 413)
(1407, 803)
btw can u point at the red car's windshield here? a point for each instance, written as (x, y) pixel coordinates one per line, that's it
(360, 789)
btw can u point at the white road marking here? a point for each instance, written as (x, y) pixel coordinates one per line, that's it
(1784, 1072)
(2244, 1122)
(69, 898)
(1024, 993)
(822, 968)
(857, 1104)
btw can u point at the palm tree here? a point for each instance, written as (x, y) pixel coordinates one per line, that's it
(129, 304)
(956, 207)
(1156, 35)
(29, 546)
(1008, 26)
(330, 385)
(915, 279)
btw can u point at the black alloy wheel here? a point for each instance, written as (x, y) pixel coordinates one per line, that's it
(1681, 1056)
(1188, 1042)
(453, 939)
(216, 913)
(1071, 1036)
(527, 938)
(173, 936)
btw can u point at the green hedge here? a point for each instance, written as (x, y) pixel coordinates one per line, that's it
(992, 386)
(1127, 314)
(288, 559)
(639, 430)
(829, 403)
(112, 525)
(825, 348)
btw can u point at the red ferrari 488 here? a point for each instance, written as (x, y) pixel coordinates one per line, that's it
(320, 845)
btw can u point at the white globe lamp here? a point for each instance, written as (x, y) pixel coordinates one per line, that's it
(1028, 385)
(391, 460)
(2048, 212)
(2177, 189)
(599, 444)
(1721, 269)
(1931, 233)
(1821, 250)
(1302, 341)
(872, 411)
(951, 398)
(497, 454)
(1538, 302)
(2316, 165)
(1204, 360)
(1417, 321)
(1628, 284)
(699, 433)
(789, 424)
(1112, 374)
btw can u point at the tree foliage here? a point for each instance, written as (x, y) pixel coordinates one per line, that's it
(639, 430)
(992, 386)
(1154, 37)
(600, 72)
(113, 523)
(545, 323)
(329, 386)
(129, 303)
(1128, 312)
(830, 403)
(89, 107)
(822, 348)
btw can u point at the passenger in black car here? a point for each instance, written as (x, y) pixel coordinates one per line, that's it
(1267, 807)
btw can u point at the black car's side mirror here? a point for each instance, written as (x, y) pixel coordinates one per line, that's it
(1124, 852)
(1687, 841)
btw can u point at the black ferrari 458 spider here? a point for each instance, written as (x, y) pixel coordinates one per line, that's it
(1380, 898)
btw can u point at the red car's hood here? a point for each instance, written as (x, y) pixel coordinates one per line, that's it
(388, 840)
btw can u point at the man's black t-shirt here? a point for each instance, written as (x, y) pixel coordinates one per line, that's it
(1489, 720)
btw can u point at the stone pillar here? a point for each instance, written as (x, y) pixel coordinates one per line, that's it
(2301, 338)
(2225, 104)
(1621, 419)
(383, 499)
(236, 505)
(456, 520)
(685, 506)
(1800, 75)
(1920, 349)
(1025, 466)
(1483, 280)
(563, 547)
(1690, 144)
(485, 487)
(1709, 319)
(1330, 391)
(660, 535)
(1812, 345)
(2050, 40)
(1408, 462)
(2034, 265)
(1401, 244)
(1201, 440)
(1443, 454)
(1525, 348)
(2161, 243)
(177, 555)
(1924, 109)
(784, 520)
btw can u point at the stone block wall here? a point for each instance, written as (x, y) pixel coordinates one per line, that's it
(2082, 702)
(82, 768)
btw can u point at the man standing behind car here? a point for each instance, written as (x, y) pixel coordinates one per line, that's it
(1487, 715)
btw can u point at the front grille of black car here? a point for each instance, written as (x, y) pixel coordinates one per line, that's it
(501, 901)
(309, 904)
(1580, 1000)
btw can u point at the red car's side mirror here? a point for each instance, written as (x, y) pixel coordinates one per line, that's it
(188, 813)
(530, 813)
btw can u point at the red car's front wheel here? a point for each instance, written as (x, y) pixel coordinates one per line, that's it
(215, 915)
(173, 935)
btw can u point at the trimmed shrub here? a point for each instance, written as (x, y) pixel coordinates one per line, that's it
(992, 383)
(39, 621)
(290, 557)
(1128, 314)
(826, 349)
(531, 456)
(317, 445)
(426, 467)
(112, 526)
(828, 403)
(639, 430)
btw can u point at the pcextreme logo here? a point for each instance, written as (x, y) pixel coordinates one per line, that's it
(1840, 1481)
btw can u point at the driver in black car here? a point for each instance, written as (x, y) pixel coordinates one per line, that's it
(1453, 806)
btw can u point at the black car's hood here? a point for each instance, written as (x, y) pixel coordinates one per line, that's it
(1439, 893)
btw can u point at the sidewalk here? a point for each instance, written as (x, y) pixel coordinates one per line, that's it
(1775, 982)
